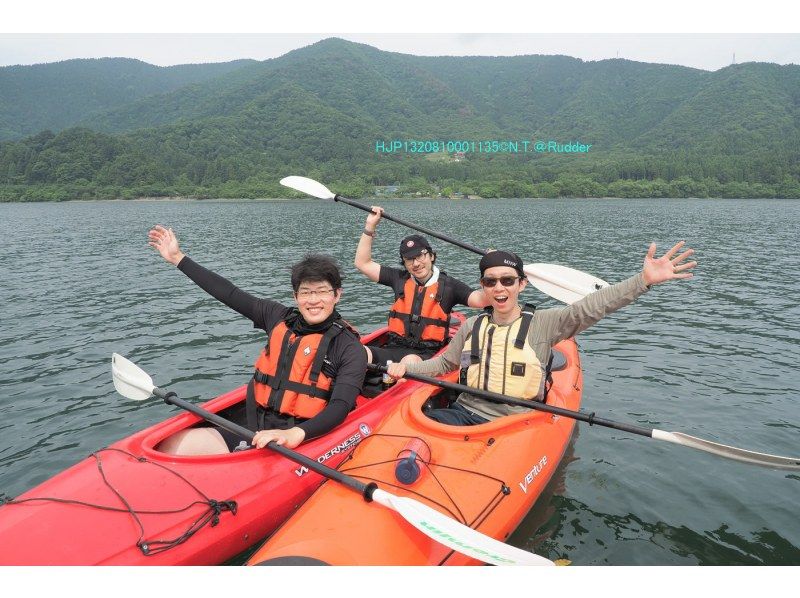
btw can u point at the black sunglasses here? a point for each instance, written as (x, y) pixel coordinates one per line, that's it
(506, 281)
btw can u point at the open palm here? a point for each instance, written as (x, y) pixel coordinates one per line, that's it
(166, 243)
(669, 266)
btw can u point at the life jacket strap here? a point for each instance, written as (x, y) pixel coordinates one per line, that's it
(251, 407)
(256, 414)
(287, 352)
(322, 350)
(527, 316)
(548, 380)
(475, 344)
(395, 340)
(488, 358)
(417, 319)
(281, 385)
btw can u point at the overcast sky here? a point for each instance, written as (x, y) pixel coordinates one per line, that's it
(115, 29)
(705, 51)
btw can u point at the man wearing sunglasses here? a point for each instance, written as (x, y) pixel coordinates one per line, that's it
(419, 319)
(506, 351)
(308, 375)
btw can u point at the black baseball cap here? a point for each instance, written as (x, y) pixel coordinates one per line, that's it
(501, 258)
(412, 246)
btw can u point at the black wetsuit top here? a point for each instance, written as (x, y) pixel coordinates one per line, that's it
(345, 353)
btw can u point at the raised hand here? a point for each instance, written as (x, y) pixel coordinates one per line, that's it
(374, 218)
(166, 243)
(667, 267)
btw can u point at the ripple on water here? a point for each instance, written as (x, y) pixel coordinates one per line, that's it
(715, 357)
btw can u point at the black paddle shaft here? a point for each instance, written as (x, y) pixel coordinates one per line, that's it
(498, 398)
(431, 233)
(364, 489)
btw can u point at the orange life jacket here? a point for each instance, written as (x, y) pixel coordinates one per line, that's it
(288, 377)
(417, 313)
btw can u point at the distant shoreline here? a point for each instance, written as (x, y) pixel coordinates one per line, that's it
(374, 200)
(179, 198)
(145, 199)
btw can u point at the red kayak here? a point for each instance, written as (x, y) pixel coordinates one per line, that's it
(130, 504)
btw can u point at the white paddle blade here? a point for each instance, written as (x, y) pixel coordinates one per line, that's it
(307, 186)
(562, 283)
(730, 452)
(130, 380)
(459, 537)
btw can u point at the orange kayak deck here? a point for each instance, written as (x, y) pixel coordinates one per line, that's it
(487, 477)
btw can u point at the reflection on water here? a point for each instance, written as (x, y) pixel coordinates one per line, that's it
(576, 527)
(536, 532)
(560, 527)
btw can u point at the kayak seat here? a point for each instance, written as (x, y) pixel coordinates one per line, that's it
(373, 385)
(292, 561)
(559, 361)
(440, 399)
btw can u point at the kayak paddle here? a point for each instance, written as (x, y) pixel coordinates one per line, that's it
(721, 450)
(560, 282)
(134, 383)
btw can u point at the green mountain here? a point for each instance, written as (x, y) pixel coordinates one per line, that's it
(62, 94)
(655, 130)
(748, 105)
(379, 88)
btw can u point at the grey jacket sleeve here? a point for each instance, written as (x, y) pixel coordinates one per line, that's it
(568, 321)
(449, 360)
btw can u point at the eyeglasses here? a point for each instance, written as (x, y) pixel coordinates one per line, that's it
(506, 281)
(422, 255)
(318, 294)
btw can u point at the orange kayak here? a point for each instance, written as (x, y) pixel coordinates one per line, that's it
(487, 477)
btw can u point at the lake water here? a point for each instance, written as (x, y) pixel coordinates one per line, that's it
(714, 357)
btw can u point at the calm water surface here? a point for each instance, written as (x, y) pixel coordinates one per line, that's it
(715, 357)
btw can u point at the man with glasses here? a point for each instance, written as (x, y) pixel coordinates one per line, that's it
(419, 319)
(506, 351)
(311, 370)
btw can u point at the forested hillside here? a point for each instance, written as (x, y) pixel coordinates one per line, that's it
(648, 129)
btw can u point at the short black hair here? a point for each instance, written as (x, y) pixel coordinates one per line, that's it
(316, 267)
